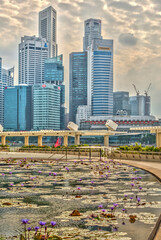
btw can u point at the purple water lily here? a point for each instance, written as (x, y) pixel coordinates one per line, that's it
(100, 206)
(25, 221)
(53, 223)
(37, 228)
(42, 223)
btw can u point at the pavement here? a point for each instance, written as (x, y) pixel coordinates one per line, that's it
(155, 169)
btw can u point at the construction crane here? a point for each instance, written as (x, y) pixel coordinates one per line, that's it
(137, 91)
(146, 91)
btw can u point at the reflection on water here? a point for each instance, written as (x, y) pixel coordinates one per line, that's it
(51, 190)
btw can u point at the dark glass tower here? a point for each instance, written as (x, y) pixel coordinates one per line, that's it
(77, 83)
(18, 108)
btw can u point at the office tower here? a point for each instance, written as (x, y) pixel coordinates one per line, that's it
(147, 105)
(92, 29)
(47, 28)
(54, 70)
(54, 74)
(1, 94)
(32, 54)
(8, 76)
(121, 104)
(6, 79)
(100, 77)
(18, 108)
(140, 105)
(77, 82)
(46, 106)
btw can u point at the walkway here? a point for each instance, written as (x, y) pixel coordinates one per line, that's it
(154, 168)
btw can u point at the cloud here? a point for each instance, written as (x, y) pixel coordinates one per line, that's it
(127, 39)
(125, 6)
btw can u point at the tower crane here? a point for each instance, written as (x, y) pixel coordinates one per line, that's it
(146, 91)
(137, 91)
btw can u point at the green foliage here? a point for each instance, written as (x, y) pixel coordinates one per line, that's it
(138, 147)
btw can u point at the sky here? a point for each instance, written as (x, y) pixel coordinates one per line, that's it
(133, 25)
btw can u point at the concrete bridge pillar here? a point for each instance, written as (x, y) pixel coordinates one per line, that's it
(158, 139)
(65, 141)
(3, 140)
(77, 139)
(40, 141)
(106, 141)
(26, 141)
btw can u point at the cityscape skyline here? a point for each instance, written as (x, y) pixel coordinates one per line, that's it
(136, 58)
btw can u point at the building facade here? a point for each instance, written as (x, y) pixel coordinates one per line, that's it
(47, 28)
(32, 54)
(140, 105)
(46, 107)
(100, 77)
(6, 79)
(18, 108)
(92, 29)
(54, 74)
(121, 103)
(77, 82)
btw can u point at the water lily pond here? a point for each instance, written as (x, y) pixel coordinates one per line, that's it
(85, 199)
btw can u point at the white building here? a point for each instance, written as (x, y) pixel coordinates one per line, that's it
(47, 28)
(32, 54)
(92, 29)
(6, 79)
(83, 113)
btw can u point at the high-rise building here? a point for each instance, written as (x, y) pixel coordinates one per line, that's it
(54, 74)
(47, 28)
(140, 105)
(92, 30)
(6, 79)
(32, 54)
(1, 94)
(121, 103)
(46, 106)
(100, 77)
(77, 82)
(8, 76)
(18, 108)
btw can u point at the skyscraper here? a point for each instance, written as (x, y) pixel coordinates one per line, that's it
(1, 94)
(8, 76)
(47, 28)
(77, 82)
(18, 108)
(92, 29)
(32, 54)
(100, 77)
(121, 103)
(46, 107)
(54, 74)
(6, 79)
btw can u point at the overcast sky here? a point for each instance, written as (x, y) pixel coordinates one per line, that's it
(135, 27)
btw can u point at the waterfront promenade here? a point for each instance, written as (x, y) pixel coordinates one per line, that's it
(152, 167)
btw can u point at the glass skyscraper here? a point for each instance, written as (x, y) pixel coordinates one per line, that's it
(47, 28)
(77, 83)
(54, 74)
(121, 102)
(100, 77)
(46, 106)
(18, 108)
